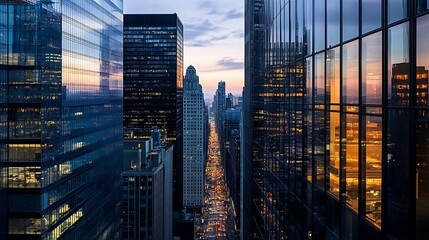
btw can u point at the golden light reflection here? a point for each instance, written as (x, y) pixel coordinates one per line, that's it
(334, 159)
(351, 154)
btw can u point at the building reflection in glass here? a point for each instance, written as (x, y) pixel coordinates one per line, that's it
(354, 151)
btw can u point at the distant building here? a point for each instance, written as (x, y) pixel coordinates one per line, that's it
(240, 102)
(220, 115)
(400, 89)
(220, 104)
(153, 83)
(229, 101)
(193, 141)
(147, 190)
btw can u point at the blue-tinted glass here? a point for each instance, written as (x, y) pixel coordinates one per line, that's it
(422, 67)
(350, 19)
(371, 15)
(333, 22)
(300, 23)
(308, 26)
(422, 6)
(398, 66)
(350, 94)
(372, 74)
(319, 25)
(397, 10)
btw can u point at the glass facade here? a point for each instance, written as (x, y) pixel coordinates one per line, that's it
(61, 108)
(153, 83)
(350, 155)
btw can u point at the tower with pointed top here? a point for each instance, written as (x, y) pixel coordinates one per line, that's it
(193, 141)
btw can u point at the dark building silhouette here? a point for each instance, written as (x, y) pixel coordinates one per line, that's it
(153, 83)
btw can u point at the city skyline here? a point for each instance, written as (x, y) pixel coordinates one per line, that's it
(301, 119)
(213, 38)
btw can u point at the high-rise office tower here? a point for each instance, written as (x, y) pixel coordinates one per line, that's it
(147, 189)
(153, 83)
(61, 119)
(229, 102)
(220, 103)
(353, 152)
(193, 141)
(220, 114)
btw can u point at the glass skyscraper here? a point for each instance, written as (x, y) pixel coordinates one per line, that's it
(61, 119)
(335, 120)
(153, 83)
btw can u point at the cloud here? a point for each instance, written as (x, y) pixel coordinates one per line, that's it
(233, 14)
(237, 34)
(207, 41)
(209, 6)
(228, 63)
(195, 30)
(199, 43)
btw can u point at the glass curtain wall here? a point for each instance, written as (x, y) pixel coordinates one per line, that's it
(354, 134)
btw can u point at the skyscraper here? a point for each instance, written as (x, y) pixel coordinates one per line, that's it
(193, 140)
(220, 104)
(220, 115)
(153, 83)
(353, 140)
(61, 119)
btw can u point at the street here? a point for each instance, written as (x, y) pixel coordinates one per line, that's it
(217, 218)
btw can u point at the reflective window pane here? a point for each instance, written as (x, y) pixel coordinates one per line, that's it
(333, 22)
(333, 75)
(334, 153)
(398, 66)
(422, 61)
(319, 136)
(422, 174)
(350, 19)
(300, 23)
(398, 150)
(371, 149)
(397, 10)
(422, 6)
(371, 15)
(309, 80)
(350, 155)
(308, 162)
(319, 78)
(319, 25)
(308, 19)
(372, 69)
(350, 94)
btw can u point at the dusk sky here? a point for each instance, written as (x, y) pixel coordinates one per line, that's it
(213, 38)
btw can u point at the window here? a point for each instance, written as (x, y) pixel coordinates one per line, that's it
(371, 69)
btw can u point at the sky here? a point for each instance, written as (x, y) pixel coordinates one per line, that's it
(213, 31)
